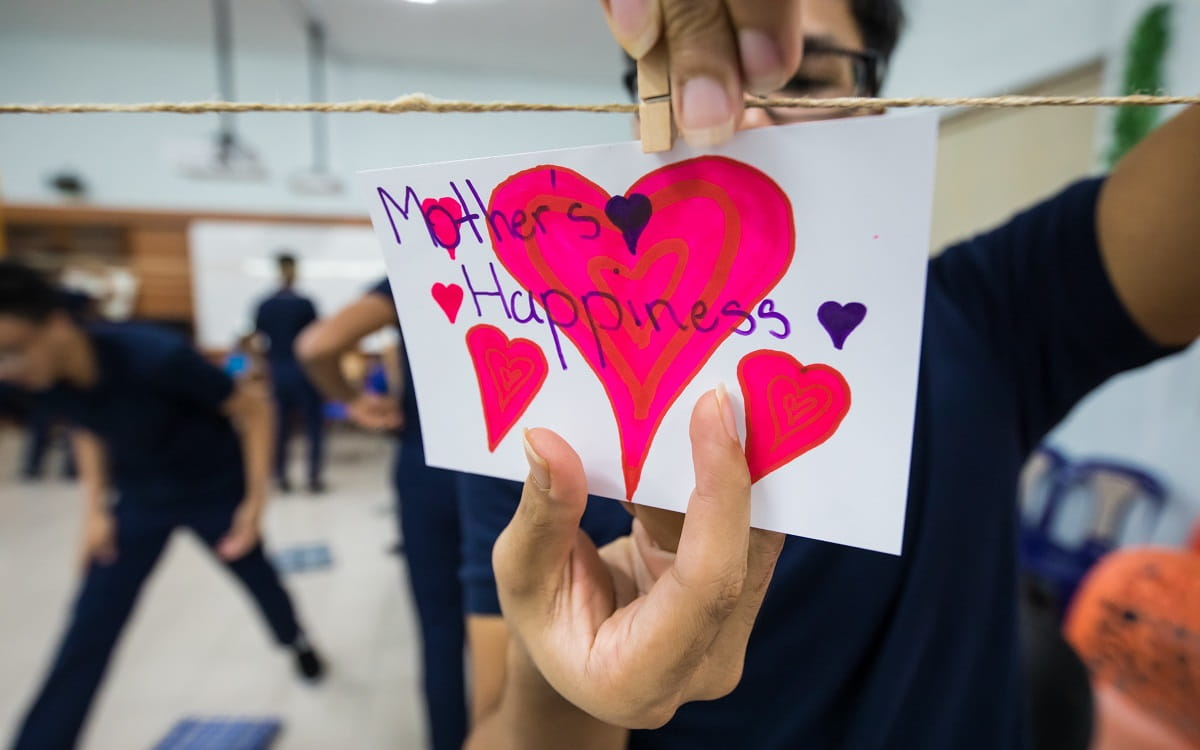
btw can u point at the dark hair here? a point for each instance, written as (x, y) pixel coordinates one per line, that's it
(879, 21)
(285, 259)
(25, 293)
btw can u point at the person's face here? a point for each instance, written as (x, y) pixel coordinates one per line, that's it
(30, 352)
(826, 71)
(287, 271)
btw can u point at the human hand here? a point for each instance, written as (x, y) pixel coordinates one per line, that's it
(377, 413)
(243, 534)
(718, 49)
(99, 539)
(631, 632)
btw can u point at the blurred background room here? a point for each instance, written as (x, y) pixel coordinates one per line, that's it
(181, 221)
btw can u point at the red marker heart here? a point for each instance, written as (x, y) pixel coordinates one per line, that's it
(790, 408)
(510, 374)
(716, 232)
(444, 216)
(449, 297)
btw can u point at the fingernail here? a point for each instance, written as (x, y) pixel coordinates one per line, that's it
(727, 417)
(539, 470)
(634, 24)
(762, 65)
(706, 114)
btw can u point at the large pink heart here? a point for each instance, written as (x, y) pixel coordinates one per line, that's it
(645, 300)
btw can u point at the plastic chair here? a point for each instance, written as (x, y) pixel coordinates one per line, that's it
(1087, 514)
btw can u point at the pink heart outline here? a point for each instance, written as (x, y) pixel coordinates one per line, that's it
(509, 374)
(721, 233)
(791, 408)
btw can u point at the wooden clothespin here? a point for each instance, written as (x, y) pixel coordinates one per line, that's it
(654, 91)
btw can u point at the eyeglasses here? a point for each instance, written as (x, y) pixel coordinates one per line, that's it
(827, 72)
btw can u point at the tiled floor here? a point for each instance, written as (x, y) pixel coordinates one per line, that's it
(196, 647)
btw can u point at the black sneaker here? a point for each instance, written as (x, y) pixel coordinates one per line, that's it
(308, 663)
(316, 487)
(284, 486)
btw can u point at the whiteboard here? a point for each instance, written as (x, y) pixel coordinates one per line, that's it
(233, 269)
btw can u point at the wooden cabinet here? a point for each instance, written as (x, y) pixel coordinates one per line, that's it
(153, 245)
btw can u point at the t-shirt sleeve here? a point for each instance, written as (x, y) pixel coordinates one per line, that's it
(183, 372)
(486, 506)
(383, 288)
(1037, 291)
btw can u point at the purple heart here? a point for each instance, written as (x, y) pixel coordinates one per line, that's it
(630, 215)
(841, 320)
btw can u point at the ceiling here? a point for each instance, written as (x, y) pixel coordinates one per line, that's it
(549, 37)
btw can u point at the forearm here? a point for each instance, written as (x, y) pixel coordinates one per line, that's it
(532, 716)
(253, 419)
(321, 345)
(93, 473)
(1148, 225)
(325, 372)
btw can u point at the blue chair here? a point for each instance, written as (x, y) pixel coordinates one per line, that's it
(1090, 509)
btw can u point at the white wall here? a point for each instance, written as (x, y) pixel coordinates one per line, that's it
(951, 47)
(984, 47)
(121, 156)
(1151, 416)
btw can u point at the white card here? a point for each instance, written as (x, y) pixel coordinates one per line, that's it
(601, 291)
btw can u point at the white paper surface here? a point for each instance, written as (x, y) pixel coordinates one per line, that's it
(859, 195)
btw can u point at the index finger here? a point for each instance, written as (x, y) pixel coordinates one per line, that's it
(705, 582)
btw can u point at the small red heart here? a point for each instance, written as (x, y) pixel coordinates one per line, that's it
(790, 408)
(444, 216)
(449, 297)
(509, 373)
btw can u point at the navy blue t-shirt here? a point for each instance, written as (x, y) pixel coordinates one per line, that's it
(157, 408)
(281, 317)
(863, 650)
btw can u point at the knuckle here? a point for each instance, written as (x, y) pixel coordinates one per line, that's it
(653, 714)
(685, 17)
(726, 591)
(692, 20)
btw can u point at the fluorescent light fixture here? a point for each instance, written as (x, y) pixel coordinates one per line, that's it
(423, 2)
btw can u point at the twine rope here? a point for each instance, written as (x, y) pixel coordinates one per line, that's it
(426, 103)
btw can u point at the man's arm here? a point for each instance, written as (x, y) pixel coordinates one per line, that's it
(99, 537)
(1148, 221)
(250, 411)
(320, 348)
(513, 707)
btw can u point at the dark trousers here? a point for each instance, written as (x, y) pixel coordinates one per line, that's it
(39, 436)
(107, 597)
(429, 525)
(296, 396)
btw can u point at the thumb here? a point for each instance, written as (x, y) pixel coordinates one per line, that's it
(532, 550)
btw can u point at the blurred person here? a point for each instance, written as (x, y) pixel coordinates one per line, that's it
(427, 504)
(41, 429)
(164, 440)
(245, 360)
(112, 290)
(690, 631)
(279, 320)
